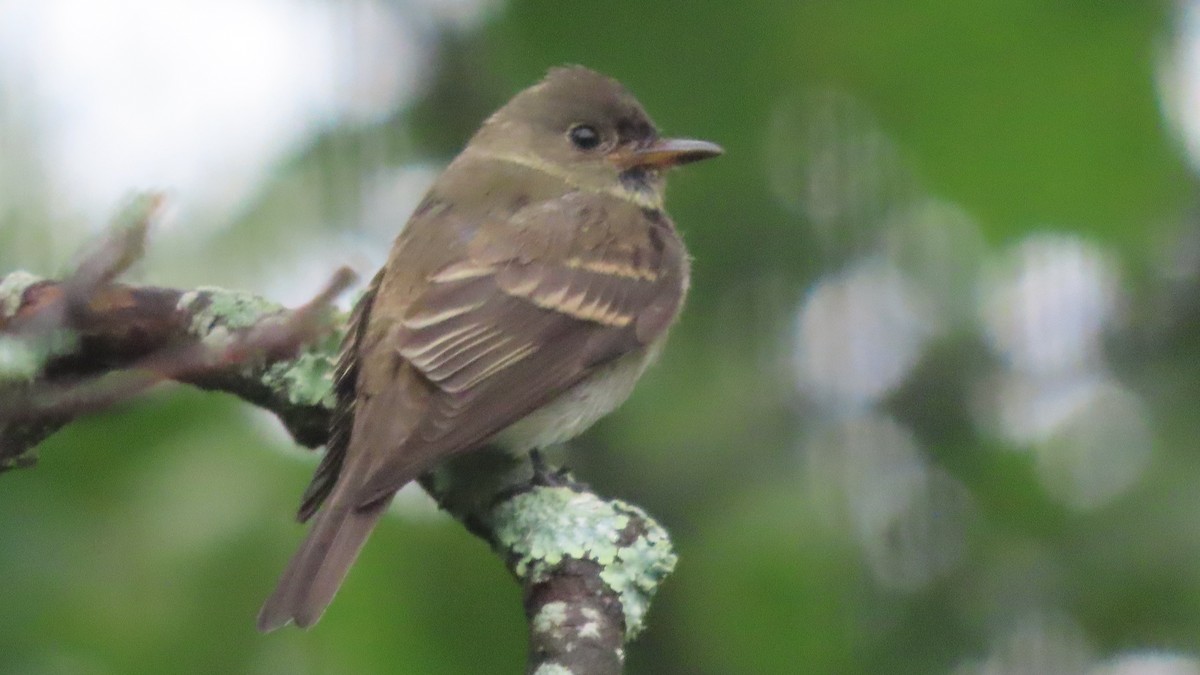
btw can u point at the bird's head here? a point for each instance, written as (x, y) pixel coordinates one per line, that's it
(587, 128)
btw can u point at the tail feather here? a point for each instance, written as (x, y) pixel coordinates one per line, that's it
(316, 572)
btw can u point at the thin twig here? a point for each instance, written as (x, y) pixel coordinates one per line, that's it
(268, 341)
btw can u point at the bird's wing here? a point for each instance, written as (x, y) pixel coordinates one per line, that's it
(345, 377)
(496, 335)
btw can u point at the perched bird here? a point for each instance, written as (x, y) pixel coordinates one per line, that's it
(524, 298)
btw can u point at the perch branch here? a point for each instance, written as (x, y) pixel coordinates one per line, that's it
(588, 566)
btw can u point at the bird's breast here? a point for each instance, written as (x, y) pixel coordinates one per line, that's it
(576, 409)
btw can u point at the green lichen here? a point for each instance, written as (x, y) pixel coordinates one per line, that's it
(218, 315)
(591, 628)
(544, 527)
(641, 567)
(218, 312)
(307, 380)
(19, 361)
(22, 359)
(550, 619)
(553, 669)
(12, 289)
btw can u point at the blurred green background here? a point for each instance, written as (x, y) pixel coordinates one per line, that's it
(931, 407)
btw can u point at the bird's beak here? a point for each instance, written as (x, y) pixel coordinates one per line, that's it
(668, 152)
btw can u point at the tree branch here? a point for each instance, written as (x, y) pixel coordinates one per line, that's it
(589, 566)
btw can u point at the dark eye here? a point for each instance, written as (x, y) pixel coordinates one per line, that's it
(584, 137)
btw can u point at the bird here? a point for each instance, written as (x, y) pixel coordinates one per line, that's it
(527, 293)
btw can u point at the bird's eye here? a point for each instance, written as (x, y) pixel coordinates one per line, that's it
(584, 137)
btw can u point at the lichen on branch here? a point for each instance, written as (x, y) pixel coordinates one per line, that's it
(589, 566)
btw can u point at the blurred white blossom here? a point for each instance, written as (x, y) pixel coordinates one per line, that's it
(908, 516)
(1046, 304)
(1149, 663)
(859, 333)
(828, 160)
(1039, 643)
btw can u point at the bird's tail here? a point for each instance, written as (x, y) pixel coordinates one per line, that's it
(316, 571)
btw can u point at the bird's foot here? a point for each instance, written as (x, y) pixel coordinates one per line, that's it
(546, 476)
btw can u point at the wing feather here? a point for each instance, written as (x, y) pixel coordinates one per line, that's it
(436, 362)
(498, 338)
(345, 376)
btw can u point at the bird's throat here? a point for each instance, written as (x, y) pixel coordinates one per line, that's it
(633, 186)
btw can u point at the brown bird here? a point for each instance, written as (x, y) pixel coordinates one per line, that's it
(530, 289)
